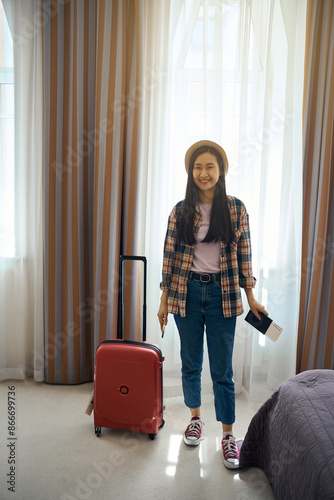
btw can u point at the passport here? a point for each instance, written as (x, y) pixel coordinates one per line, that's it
(265, 325)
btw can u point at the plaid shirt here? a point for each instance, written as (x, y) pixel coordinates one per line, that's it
(235, 261)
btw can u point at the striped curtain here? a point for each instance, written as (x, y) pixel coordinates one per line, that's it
(91, 114)
(315, 347)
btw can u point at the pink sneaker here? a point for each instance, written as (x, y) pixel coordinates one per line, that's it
(230, 452)
(192, 435)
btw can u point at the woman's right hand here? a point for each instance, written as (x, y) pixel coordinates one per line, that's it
(163, 310)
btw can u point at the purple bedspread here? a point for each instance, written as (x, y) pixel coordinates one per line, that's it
(291, 438)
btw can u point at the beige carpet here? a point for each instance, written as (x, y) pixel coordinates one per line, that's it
(58, 457)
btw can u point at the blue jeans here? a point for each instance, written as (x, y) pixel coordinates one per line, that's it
(204, 308)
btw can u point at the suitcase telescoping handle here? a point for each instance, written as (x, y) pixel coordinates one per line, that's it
(122, 259)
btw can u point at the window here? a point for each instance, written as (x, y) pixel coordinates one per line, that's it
(231, 84)
(7, 172)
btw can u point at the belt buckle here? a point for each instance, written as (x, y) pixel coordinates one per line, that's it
(205, 280)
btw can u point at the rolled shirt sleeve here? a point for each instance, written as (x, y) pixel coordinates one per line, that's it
(169, 253)
(244, 254)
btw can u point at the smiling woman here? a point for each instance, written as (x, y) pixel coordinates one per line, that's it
(201, 187)
(201, 283)
(206, 173)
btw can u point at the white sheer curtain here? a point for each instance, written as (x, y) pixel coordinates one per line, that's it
(231, 71)
(21, 274)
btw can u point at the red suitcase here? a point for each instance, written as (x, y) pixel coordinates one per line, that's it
(128, 390)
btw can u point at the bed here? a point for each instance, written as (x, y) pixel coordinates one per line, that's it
(291, 438)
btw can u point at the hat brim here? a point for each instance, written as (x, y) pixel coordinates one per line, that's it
(210, 144)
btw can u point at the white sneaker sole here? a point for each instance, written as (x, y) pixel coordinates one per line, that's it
(231, 465)
(192, 442)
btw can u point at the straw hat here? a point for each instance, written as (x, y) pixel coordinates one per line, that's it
(210, 144)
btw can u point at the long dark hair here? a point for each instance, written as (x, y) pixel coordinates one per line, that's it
(220, 221)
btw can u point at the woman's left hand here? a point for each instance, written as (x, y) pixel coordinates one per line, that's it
(254, 305)
(256, 308)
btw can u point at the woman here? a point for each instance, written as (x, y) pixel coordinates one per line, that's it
(207, 258)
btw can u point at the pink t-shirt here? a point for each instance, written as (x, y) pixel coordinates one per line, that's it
(206, 255)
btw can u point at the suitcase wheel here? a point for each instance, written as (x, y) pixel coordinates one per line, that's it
(152, 436)
(98, 431)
